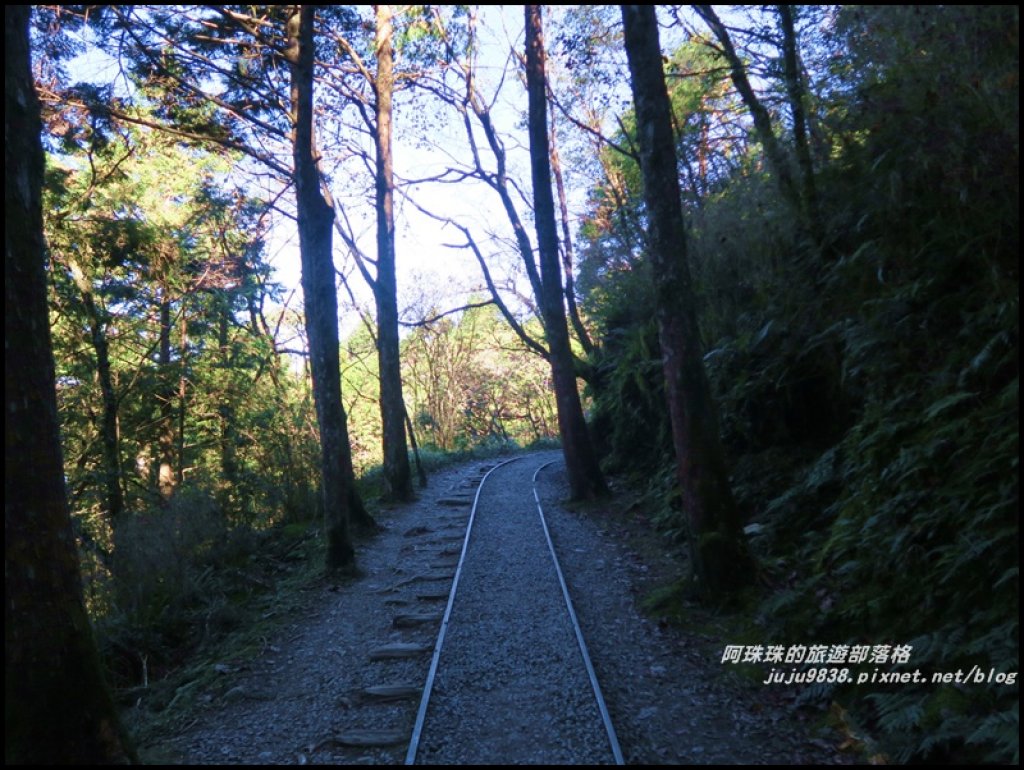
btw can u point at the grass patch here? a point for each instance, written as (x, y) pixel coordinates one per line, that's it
(243, 606)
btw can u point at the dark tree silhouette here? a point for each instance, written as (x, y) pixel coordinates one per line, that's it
(316, 218)
(56, 705)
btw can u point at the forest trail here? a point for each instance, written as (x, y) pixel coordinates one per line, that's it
(340, 681)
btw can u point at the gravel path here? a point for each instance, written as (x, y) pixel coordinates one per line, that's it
(326, 688)
(511, 685)
(664, 687)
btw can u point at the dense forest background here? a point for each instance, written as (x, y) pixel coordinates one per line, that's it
(849, 180)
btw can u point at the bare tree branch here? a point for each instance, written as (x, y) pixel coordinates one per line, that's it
(471, 244)
(439, 316)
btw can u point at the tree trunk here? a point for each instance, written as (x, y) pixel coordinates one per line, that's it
(795, 93)
(585, 479)
(758, 112)
(498, 181)
(421, 473)
(567, 251)
(182, 399)
(57, 708)
(720, 559)
(165, 426)
(226, 407)
(315, 219)
(397, 473)
(112, 472)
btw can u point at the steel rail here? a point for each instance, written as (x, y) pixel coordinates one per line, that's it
(421, 714)
(410, 757)
(601, 705)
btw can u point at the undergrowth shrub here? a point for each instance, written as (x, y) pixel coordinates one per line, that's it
(183, 575)
(157, 551)
(629, 424)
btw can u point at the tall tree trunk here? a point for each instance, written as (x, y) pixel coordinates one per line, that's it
(112, 472)
(226, 406)
(315, 218)
(795, 93)
(567, 252)
(585, 479)
(498, 181)
(758, 112)
(182, 398)
(57, 709)
(166, 477)
(802, 198)
(397, 473)
(422, 474)
(720, 559)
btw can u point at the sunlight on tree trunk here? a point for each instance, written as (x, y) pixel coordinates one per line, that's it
(397, 473)
(585, 479)
(166, 477)
(720, 560)
(316, 217)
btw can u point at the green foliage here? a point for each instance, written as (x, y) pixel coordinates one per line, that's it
(129, 233)
(630, 399)
(136, 225)
(868, 384)
(867, 375)
(182, 575)
(470, 382)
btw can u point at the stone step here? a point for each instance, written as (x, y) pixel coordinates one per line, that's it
(446, 542)
(458, 530)
(399, 650)
(427, 577)
(391, 692)
(455, 502)
(438, 596)
(367, 738)
(415, 619)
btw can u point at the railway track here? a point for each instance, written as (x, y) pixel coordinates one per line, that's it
(510, 679)
(342, 680)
